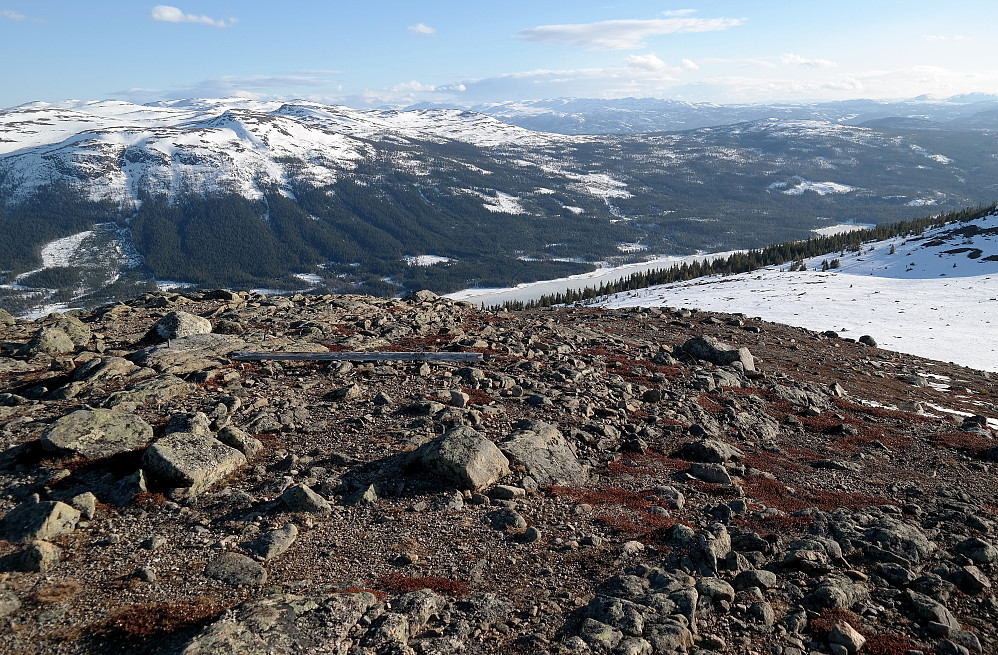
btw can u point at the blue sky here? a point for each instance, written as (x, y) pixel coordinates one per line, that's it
(465, 53)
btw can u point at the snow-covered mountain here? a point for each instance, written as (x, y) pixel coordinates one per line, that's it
(242, 193)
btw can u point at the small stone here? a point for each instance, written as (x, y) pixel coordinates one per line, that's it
(146, 574)
(154, 542)
(845, 635)
(85, 504)
(9, 603)
(530, 535)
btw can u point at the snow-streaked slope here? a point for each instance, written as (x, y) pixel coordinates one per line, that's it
(928, 298)
(115, 148)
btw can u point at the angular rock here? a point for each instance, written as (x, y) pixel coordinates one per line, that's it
(177, 325)
(189, 354)
(235, 569)
(545, 454)
(465, 457)
(39, 557)
(126, 489)
(929, 610)
(845, 635)
(301, 498)
(240, 440)
(715, 589)
(713, 473)
(38, 520)
(183, 459)
(96, 433)
(756, 578)
(717, 352)
(275, 542)
(711, 451)
(978, 550)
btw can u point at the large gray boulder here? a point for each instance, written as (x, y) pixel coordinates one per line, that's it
(95, 433)
(77, 330)
(50, 341)
(35, 519)
(189, 354)
(184, 459)
(236, 569)
(545, 454)
(717, 352)
(177, 325)
(465, 457)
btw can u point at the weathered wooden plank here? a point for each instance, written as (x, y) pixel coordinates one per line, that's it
(383, 356)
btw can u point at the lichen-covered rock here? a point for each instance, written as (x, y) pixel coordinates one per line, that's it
(50, 341)
(177, 325)
(545, 454)
(35, 519)
(301, 498)
(284, 623)
(184, 459)
(235, 569)
(94, 433)
(465, 457)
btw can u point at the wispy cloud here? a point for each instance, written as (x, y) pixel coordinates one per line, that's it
(12, 15)
(168, 14)
(677, 13)
(797, 60)
(942, 37)
(421, 29)
(623, 34)
(297, 84)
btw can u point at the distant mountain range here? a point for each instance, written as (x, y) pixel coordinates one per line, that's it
(643, 115)
(99, 199)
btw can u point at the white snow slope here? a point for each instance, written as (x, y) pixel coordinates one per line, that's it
(936, 296)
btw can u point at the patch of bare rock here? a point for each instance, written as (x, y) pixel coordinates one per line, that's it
(627, 482)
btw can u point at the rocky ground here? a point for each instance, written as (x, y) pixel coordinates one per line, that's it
(633, 482)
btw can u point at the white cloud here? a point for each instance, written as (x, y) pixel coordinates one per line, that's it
(12, 15)
(168, 14)
(421, 29)
(649, 63)
(797, 60)
(675, 13)
(623, 34)
(689, 65)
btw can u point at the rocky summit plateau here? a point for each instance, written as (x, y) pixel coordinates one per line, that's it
(637, 481)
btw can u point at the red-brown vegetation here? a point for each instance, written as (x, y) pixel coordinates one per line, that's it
(150, 619)
(397, 583)
(969, 442)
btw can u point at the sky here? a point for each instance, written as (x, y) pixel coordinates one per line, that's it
(395, 53)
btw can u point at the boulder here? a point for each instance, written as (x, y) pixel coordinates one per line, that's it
(712, 451)
(545, 454)
(184, 459)
(50, 341)
(235, 569)
(35, 519)
(158, 389)
(177, 325)
(717, 352)
(198, 352)
(95, 433)
(301, 498)
(465, 457)
(75, 329)
(273, 543)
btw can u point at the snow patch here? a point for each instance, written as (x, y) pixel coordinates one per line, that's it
(426, 260)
